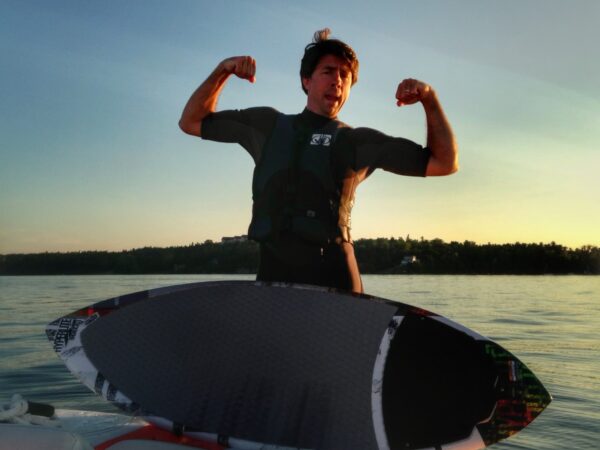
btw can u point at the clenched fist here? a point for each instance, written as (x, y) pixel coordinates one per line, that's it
(241, 66)
(412, 91)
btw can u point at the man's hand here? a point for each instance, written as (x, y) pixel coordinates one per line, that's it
(411, 91)
(243, 67)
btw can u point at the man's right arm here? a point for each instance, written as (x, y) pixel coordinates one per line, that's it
(204, 100)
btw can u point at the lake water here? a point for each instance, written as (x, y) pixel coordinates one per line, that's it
(552, 323)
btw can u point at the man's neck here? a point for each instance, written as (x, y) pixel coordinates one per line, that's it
(312, 119)
(316, 111)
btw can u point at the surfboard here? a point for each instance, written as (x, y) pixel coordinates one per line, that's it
(296, 366)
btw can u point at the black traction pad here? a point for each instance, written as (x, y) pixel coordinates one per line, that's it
(291, 367)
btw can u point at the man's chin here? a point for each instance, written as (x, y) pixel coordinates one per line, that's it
(332, 111)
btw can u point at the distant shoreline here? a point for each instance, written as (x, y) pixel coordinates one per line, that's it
(375, 256)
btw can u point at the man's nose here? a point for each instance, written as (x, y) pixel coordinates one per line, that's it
(337, 79)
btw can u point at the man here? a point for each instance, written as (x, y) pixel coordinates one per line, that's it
(309, 165)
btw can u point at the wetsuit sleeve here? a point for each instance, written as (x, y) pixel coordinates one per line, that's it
(248, 127)
(376, 150)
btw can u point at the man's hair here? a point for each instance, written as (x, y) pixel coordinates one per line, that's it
(322, 46)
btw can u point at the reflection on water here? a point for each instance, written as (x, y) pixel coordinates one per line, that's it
(551, 323)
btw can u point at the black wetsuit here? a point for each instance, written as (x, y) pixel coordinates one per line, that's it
(355, 154)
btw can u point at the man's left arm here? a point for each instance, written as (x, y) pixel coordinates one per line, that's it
(440, 138)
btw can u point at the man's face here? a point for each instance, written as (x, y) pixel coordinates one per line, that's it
(329, 86)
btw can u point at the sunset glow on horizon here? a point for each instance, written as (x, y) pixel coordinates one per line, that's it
(92, 157)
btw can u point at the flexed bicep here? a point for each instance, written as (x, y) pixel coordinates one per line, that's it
(204, 99)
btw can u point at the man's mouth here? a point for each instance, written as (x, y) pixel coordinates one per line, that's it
(332, 98)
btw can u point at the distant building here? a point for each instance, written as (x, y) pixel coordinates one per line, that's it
(229, 240)
(408, 260)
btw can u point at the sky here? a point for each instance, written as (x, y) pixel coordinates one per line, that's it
(92, 158)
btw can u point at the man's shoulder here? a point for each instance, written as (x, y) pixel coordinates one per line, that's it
(267, 110)
(261, 118)
(245, 113)
(239, 125)
(343, 126)
(362, 134)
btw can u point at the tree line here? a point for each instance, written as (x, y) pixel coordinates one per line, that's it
(375, 256)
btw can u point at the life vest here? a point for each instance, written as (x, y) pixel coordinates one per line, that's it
(293, 189)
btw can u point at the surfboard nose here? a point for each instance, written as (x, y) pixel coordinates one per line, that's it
(442, 386)
(521, 397)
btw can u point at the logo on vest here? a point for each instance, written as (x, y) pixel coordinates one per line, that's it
(321, 139)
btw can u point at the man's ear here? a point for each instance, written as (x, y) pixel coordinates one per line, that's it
(305, 83)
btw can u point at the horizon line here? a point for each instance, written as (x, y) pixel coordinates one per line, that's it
(243, 238)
